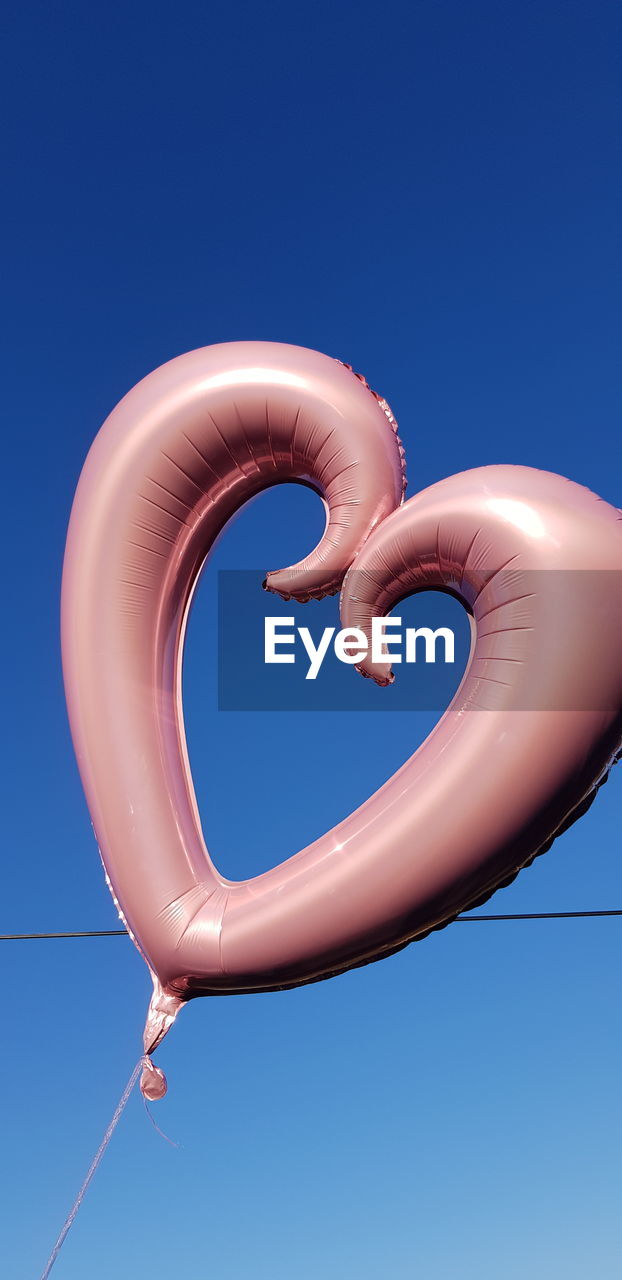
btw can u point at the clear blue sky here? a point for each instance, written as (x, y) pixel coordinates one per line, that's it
(430, 191)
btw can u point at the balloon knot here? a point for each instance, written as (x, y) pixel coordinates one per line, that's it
(153, 1084)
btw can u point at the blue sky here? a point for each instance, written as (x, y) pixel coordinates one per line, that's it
(430, 191)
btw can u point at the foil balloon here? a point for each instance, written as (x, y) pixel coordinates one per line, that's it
(530, 734)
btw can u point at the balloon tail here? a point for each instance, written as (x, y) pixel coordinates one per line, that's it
(162, 1012)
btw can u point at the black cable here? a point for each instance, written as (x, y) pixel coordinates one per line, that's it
(122, 933)
(545, 915)
(89, 933)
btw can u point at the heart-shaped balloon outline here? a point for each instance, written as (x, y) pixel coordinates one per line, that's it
(530, 734)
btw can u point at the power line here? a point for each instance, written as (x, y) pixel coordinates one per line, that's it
(87, 933)
(544, 915)
(466, 919)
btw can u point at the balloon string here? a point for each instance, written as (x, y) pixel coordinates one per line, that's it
(69, 1220)
(158, 1129)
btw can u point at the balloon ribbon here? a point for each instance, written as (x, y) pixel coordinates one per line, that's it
(69, 1220)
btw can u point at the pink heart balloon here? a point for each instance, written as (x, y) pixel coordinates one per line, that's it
(530, 734)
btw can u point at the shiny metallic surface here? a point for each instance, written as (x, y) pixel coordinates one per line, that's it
(530, 734)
